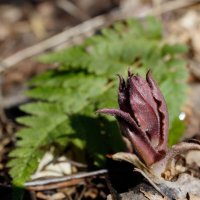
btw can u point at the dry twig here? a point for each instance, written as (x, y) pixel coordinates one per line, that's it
(56, 185)
(62, 181)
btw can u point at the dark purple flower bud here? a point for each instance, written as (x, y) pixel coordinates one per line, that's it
(142, 116)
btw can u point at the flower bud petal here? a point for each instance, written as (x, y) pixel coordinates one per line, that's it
(162, 110)
(144, 107)
(138, 139)
(123, 96)
(142, 116)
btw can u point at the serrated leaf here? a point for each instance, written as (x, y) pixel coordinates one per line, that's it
(173, 49)
(41, 108)
(28, 153)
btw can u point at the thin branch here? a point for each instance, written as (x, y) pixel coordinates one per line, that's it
(56, 185)
(83, 28)
(82, 193)
(65, 178)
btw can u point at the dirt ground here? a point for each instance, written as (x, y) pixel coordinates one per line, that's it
(24, 23)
